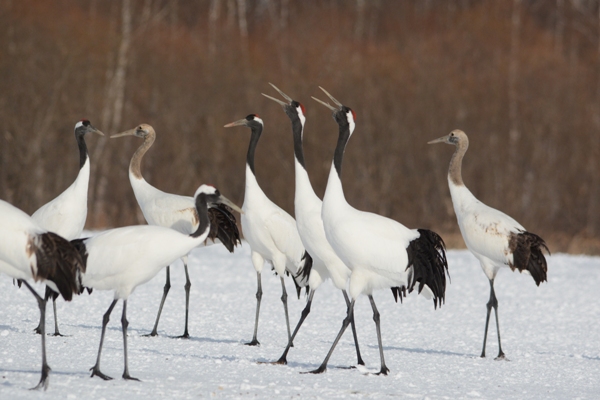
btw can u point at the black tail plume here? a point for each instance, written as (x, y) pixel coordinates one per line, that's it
(301, 277)
(527, 255)
(427, 257)
(223, 225)
(59, 262)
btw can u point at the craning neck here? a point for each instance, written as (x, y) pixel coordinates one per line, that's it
(256, 132)
(455, 170)
(202, 209)
(297, 129)
(344, 136)
(83, 151)
(136, 161)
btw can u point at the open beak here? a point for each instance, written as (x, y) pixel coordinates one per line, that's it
(443, 139)
(130, 132)
(229, 203)
(285, 96)
(243, 122)
(332, 108)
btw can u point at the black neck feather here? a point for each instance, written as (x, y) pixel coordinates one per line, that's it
(202, 210)
(256, 132)
(338, 156)
(298, 150)
(83, 151)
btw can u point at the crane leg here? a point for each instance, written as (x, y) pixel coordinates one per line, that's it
(96, 368)
(44, 379)
(345, 324)
(124, 325)
(384, 369)
(56, 331)
(188, 285)
(259, 292)
(305, 312)
(492, 303)
(47, 295)
(359, 359)
(162, 302)
(284, 297)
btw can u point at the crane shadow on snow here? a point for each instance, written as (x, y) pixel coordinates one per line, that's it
(424, 351)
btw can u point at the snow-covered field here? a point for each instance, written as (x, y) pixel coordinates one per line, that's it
(551, 335)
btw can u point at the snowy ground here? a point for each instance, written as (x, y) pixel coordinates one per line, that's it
(551, 335)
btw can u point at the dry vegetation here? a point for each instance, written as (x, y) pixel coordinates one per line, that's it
(521, 77)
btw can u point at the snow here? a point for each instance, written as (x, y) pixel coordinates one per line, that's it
(550, 334)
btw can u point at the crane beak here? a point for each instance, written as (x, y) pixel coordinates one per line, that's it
(94, 130)
(284, 104)
(130, 132)
(243, 122)
(443, 139)
(331, 97)
(229, 203)
(285, 96)
(332, 108)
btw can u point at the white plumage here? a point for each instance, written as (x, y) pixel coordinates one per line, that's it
(27, 251)
(381, 252)
(494, 238)
(308, 207)
(66, 214)
(270, 231)
(123, 258)
(175, 212)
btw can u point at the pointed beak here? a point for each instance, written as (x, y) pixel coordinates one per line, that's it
(229, 203)
(283, 103)
(332, 108)
(94, 130)
(130, 132)
(243, 122)
(331, 97)
(443, 139)
(285, 96)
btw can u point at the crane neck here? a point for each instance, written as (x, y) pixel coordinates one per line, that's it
(203, 220)
(338, 157)
(455, 169)
(298, 131)
(135, 166)
(256, 132)
(83, 151)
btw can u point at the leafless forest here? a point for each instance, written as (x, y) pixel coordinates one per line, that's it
(521, 77)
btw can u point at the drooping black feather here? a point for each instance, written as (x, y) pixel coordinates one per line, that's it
(79, 245)
(59, 262)
(427, 257)
(526, 248)
(223, 225)
(301, 277)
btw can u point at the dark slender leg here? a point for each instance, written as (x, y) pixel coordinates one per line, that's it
(384, 369)
(492, 303)
(284, 297)
(56, 332)
(96, 368)
(305, 312)
(162, 302)
(259, 292)
(125, 324)
(47, 295)
(44, 380)
(345, 324)
(359, 359)
(187, 287)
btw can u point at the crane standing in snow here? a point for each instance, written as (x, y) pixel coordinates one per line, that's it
(381, 252)
(326, 264)
(270, 231)
(493, 237)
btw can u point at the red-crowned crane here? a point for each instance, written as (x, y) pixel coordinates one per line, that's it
(176, 212)
(66, 214)
(27, 251)
(493, 237)
(270, 231)
(121, 259)
(326, 264)
(381, 252)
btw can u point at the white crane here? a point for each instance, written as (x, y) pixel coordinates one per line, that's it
(121, 259)
(175, 212)
(27, 251)
(66, 214)
(270, 231)
(493, 237)
(326, 264)
(381, 252)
